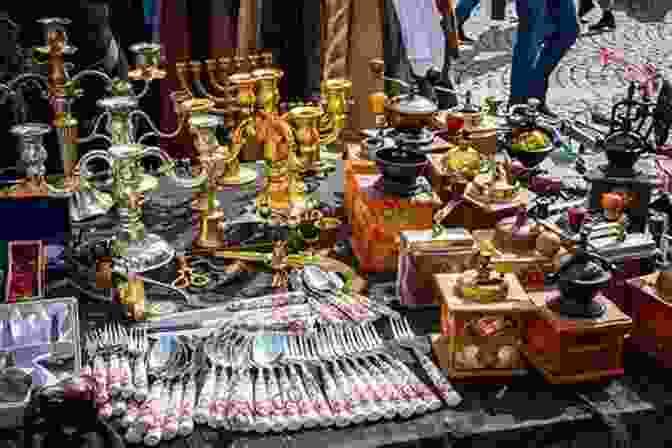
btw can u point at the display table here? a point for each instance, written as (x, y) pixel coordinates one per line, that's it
(528, 412)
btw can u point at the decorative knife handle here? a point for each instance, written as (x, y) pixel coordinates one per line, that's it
(317, 399)
(206, 398)
(445, 389)
(114, 372)
(140, 379)
(170, 402)
(100, 377)
(132, 412)
(105, 411)
(126, 378)
(186, 414)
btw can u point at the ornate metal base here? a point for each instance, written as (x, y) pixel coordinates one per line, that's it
(145, 255)
(209, 235)
(85, 204)
(245, 175)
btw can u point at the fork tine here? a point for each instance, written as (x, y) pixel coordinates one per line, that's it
(409, 328)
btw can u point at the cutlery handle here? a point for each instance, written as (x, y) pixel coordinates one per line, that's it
(186, 426)
(126, 377)
(140, 380)
(132, 412)
(443, 386)
(114, 373)
(100, 377)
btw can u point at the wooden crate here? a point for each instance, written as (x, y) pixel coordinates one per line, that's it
(423, 254)
(482, 340)
(379, 218)
(651, 313)
(569, 351)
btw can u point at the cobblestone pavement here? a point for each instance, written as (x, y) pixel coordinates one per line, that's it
(644, 31)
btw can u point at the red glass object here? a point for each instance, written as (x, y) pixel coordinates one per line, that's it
(454, 123)
(577, 216)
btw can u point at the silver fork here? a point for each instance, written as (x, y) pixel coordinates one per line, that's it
(317, 401)
(335, 394)
(413, 389)
(139, 344)
(125, 364)
(389, 384)
(362, 386)
(406, 337)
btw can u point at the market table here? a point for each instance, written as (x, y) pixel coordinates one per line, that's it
(527, 410)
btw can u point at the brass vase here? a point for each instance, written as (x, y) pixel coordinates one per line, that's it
(306, 121)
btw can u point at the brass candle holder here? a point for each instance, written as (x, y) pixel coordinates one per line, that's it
(61, 87)
(305, 121)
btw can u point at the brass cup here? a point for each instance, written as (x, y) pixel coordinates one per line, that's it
(245, 85)
(268, 93)
(147, 61)
(306, 122)
(209, 235)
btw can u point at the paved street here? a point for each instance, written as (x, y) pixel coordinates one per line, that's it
(644, 31)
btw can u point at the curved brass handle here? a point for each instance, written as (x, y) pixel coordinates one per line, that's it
(168, 168)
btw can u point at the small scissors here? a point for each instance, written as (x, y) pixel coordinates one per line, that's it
(186, 277)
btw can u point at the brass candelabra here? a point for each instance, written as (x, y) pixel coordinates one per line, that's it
(244, 91)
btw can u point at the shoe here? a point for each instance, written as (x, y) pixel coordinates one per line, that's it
(585, 7)
(463, 37)
(607, 22)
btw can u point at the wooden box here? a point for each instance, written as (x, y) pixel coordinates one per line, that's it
(423, 254)
(568, 351)
(651, 313)
(356, 163)
(529, 265)
(481, 339)
(379, 218)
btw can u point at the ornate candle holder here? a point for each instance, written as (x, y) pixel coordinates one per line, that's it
(135, 250)
(33, 156)
(337, 99)
(62, 89)
(306, 122)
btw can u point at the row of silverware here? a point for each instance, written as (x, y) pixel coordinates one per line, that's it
(242, 379)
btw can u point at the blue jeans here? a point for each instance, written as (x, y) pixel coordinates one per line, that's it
(464, 9)
(547, 29)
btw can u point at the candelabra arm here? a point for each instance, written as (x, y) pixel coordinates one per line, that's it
(145, 89)
(214, 82)
(155, 131)
(16, 83)
(168, 168)
(94, 73)
(95, 134)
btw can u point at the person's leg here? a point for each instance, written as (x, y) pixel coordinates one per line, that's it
(526, 50)
(562, 16)
(463, 11)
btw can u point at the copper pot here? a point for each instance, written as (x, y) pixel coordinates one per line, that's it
(410, 112)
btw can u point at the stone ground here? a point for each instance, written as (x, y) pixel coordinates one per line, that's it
(644, 31)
